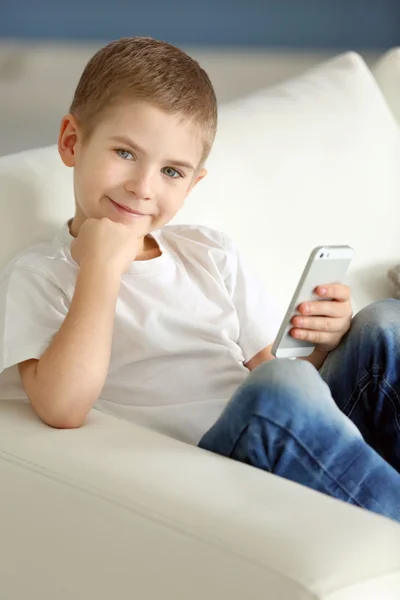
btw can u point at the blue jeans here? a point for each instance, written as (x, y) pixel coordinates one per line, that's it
(336, 431)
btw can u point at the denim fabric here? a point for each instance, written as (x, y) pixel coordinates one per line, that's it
(336, 431)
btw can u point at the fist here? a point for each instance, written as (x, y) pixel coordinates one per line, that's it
(105, 243)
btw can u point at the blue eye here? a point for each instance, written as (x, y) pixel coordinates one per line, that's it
(125, 154)
(171, 173)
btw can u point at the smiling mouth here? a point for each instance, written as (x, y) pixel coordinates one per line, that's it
(126, 210)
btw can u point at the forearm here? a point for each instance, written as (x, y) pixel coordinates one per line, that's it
(71, 373)
(317, 358)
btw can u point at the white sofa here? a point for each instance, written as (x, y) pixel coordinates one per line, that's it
(113, 510)
(387, 74)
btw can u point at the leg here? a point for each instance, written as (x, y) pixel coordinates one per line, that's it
(283, 419)
(363, 374)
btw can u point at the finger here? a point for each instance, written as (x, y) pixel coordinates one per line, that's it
(327, 308)
(326, 324)
(336, 291)
(315, 337)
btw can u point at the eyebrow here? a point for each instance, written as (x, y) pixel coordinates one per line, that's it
(126, 140)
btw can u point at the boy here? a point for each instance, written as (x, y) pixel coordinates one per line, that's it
(162, 325)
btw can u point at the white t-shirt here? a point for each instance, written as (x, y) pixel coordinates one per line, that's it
(185, 323)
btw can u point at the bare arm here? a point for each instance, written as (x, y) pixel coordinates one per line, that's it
(317, 358)
(67, 380)
(263, 356)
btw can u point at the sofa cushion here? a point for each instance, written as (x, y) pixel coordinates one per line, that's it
(312, 161)
(387, 73)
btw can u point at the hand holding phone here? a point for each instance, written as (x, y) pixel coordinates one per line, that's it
(326, 264)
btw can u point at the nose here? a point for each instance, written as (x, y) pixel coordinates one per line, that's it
(140, 184)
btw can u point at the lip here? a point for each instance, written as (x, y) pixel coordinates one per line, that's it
(126, 210)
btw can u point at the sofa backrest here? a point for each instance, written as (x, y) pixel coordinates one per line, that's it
(387, 74)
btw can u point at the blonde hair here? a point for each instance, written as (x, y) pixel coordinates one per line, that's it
(146, 69)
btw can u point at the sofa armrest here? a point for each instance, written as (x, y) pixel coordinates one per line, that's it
(112, 510)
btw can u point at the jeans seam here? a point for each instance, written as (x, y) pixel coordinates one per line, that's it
(370, 373)
(396, 412)
(360, 391)
(234, 445)
(357, 388)
(305, 451)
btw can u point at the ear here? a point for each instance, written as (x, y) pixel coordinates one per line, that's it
(69, 140)
(198, 177)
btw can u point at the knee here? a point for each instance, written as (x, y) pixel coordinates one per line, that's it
(284, 385)
(281, 371)
(377, 318)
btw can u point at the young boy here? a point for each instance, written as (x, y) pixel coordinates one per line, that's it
(163, 325)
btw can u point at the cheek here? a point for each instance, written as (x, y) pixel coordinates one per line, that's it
(173, 199)
(169, 202)
(96, 178)
(87, 186)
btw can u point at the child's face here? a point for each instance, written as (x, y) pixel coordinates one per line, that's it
(132, 162)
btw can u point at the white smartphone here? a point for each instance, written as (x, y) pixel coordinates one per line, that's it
(327, 264)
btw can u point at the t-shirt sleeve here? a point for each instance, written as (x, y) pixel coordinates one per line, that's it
(258, 314)
(32, 309)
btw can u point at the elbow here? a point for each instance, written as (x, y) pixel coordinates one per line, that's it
(58, 419)
(63, 423)
(61, 411)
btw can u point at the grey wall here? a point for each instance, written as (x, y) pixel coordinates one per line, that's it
(276, 23)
